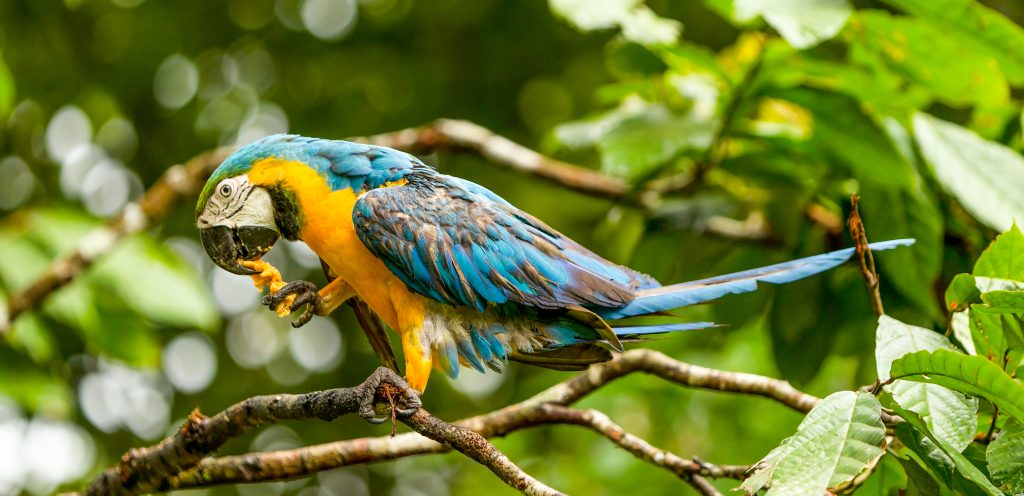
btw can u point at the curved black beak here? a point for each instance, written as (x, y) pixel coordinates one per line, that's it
(228, 246)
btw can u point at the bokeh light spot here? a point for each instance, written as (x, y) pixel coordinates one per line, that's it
(175, 82)
(68, 128)
(190, 362)
(317, 345)
(329, 19)
(17, 184)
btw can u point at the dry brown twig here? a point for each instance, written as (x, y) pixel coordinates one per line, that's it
(864, 257)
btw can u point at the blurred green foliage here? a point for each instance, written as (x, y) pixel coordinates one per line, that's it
(755, 119)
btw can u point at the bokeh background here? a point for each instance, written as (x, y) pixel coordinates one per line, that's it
(99, 97)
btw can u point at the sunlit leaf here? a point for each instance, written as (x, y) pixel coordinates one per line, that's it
(156, 285)
(973, 375)
(977, 25)
(914, 48)
(833, 444)
(638, 23)
(962, 292)
(963, 465)
(1002, 259)
(637, 136)
(1006, 458)
(950, 415)
(803, 23)
(986, 177)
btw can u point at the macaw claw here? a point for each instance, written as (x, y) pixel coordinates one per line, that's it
(303, 292)
(404, 403)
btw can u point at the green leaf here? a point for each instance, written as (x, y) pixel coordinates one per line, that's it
(980, 27)
(997, 333)
(915, 49)
(984, 176)
(834, 443)
(926, 455)
(1006, 458)
(919, 481)
(803, 23)
(638, 23)
(154, 283)
(962, 292)
(637, 136)
(963, 465)
(973, 375)
(950, 415)
(1004, 258)
(1011, 300)
(638, 145)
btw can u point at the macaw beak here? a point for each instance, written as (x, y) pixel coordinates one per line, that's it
(227, 246)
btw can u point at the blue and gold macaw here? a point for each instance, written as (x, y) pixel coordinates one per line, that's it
(465, 278)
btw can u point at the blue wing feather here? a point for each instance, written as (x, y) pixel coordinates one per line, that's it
(450, 240)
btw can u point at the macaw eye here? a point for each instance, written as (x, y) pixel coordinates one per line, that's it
(225, 190)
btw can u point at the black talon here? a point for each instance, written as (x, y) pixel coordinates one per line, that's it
(407, 402)
(305, 294)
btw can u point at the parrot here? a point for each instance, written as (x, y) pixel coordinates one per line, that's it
(463, 277)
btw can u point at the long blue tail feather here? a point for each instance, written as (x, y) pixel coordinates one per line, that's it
(642, 330)
(654, 300)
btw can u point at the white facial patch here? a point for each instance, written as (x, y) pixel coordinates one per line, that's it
(235, 203)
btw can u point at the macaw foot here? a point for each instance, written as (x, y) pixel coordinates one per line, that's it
(385, 384)
(304, 292)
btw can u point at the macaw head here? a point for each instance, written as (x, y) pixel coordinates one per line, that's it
(241, 220)
(253, 198)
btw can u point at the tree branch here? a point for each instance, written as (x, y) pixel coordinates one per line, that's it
(164, 468)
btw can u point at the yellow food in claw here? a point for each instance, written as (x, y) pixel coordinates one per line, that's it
(269, 277)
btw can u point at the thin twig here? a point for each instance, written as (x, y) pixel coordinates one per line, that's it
(864, 256)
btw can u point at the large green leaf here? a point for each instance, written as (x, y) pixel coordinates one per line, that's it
(914, 48)
(950, 415)
(803, 23)
(986, 177)
(963, 465)
(1003, 258)
(637, 136)
(151, 281)
(1006, 458)
(834, 443)
(979, 27)
(973, 375)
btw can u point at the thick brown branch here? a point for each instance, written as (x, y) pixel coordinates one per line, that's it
(535, 411)
(142, 470)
